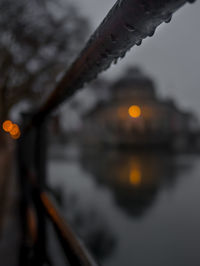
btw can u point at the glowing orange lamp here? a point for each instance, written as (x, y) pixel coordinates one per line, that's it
(134, 111)
(7, 125)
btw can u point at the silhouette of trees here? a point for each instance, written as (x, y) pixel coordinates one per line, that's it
(38, 40)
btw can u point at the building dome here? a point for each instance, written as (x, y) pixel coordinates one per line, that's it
(134, 83)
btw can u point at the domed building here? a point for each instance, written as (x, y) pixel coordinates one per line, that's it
(133, 114)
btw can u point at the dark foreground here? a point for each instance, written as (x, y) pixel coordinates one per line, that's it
(130, 208)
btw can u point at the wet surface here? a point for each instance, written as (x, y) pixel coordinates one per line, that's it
(132, 208)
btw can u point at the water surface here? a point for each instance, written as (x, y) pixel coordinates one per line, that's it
(133, 208)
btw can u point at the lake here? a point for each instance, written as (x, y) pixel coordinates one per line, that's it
(132, 208)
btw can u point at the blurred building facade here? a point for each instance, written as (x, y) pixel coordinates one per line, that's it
(134, 115)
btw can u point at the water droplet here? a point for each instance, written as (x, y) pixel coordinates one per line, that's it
(168, 19)
(151, 33)
(106, 66)
(115, 60)
(129, 27)
(123, 55)
(138, 42)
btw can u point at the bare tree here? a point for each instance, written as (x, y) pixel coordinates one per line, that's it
(38, 40)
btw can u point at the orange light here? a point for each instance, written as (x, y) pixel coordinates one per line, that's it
(16, 136)
(134, 111)
(15, 130)
(7, 125)
(135, 177)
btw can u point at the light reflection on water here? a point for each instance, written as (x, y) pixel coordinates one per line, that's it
(133, 208)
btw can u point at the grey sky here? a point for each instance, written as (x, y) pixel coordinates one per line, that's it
(171, 56)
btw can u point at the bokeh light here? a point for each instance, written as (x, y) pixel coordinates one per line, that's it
(14, 130)
(7, 125)
(134, 111)
(16, 136)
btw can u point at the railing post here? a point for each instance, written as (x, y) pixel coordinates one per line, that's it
(39, 152)
(32, 173)
(24, 156)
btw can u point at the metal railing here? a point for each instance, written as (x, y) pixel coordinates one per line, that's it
(126, 25)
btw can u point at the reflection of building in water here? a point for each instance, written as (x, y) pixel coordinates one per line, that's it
(133, 114)
(134, 179)
(98, 235)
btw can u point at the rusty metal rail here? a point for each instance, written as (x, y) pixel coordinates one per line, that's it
(126, 25)
(75, 251)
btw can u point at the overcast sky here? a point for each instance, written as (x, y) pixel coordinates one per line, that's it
(171, 56)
